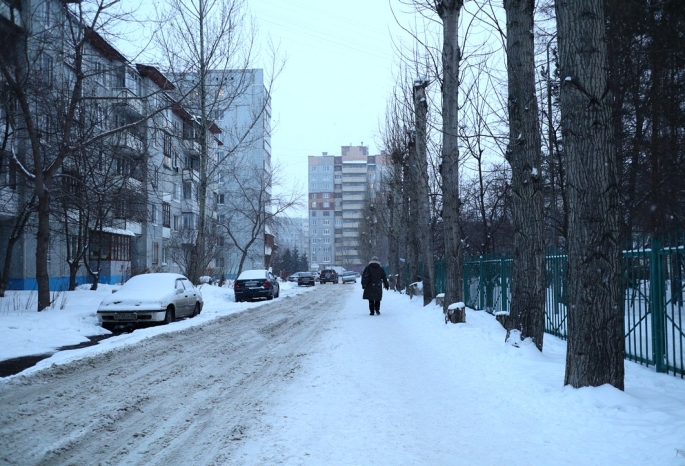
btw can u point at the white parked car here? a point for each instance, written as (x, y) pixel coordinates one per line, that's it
(153, 298)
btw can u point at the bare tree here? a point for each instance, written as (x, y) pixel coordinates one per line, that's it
(449, 11)
(527, 311)
(49, 97)
(596, 342)
(420, 168)
(249, 206)
(395, 186)
(212, 70)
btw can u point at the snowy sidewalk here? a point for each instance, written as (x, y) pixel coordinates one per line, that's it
(404, 388)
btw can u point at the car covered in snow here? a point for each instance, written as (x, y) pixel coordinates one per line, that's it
(258, 283)
(152, 298)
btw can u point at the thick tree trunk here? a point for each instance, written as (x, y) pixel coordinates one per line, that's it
(449, 11)
(423, 192)
(527, 311)
(42, 248)
(595, 351)
(414, 229)
(393, 239)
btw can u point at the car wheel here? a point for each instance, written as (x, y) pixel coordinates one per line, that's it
(278, 293)
(196, 310)
(271, 296)
(169, 316)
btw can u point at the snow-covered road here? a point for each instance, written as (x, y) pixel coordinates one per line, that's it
(312, 379)
(180, 398)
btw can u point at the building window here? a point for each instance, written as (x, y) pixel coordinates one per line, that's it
(313, 232)
(177, 222)
(313, 168)
(46, 67)
(166, 214)
(326, 204)
(105, 246)
(313, 205)
(167, 148)
(327, 231)
(313, 222)
(99, 72)
(327, 240)
(155, 253)
(326, 195)
(187, 190)
(175, 190)
(222, 198)
(123, 166)
(338, 222)
(326, 222)
(313, 213)
(188, 221)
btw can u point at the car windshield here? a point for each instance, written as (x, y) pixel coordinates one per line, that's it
(151, 281)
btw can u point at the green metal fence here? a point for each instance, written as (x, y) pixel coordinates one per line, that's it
(653, 295)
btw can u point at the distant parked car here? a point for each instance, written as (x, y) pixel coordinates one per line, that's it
(307, 279)
(152, 298)
(252, 284)
(349, 277)
(295, 276)
(328, 275)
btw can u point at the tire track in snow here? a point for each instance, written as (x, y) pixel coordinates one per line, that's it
(179, 398)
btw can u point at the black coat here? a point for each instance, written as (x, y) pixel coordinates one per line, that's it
(373, 280)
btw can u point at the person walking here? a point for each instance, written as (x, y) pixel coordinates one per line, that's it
(373, 282)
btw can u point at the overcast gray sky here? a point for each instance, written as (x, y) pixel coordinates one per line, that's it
(337, 78)
(339, 71)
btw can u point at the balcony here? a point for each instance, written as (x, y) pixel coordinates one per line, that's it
(190, 174)
(127, 140)
(192, 146)
(128, 101)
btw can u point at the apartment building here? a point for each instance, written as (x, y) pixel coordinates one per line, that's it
(125, 201)
(244, 175)
(339, 187)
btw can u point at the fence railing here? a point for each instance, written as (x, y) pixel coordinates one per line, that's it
(653, 291)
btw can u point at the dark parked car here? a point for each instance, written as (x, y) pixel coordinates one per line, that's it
(328, 275)
(349, 277)
(151, 298)
(306, 279)
(252, 284)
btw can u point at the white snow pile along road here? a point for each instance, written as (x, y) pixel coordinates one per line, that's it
(179, 398)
